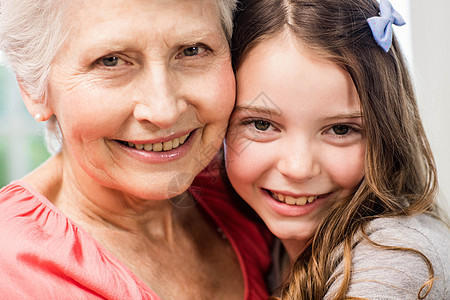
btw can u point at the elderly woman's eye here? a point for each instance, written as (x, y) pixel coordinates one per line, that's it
(192, 51)
(110, 61)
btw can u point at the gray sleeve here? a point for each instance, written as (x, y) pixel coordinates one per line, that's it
(393, 274)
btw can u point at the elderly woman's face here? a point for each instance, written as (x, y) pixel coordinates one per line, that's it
(142, 90)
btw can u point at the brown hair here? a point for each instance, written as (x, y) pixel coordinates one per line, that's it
(400, 174)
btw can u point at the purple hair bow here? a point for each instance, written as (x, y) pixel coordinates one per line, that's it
(382, 26)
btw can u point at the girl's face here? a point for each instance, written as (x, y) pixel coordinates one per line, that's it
(296, 141)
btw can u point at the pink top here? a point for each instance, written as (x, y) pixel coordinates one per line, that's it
(44, 255)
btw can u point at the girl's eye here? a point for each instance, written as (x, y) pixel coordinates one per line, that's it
(341, 129)
(257, 127)
(261, 125)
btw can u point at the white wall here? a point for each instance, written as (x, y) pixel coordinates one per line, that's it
(431, 71)
(426, 43)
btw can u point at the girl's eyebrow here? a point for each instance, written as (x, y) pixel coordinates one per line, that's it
(257, 109)
(275, 111)
(350, 115)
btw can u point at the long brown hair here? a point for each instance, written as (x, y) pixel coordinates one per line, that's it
(400, 174)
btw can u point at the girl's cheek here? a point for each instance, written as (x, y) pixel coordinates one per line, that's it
(234, 140)
(349, 163)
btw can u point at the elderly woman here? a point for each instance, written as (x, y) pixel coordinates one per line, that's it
(141, 92)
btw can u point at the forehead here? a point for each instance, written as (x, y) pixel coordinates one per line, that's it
(290, 73)
(143, 20)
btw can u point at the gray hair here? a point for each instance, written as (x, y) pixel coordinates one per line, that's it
(33, 31)
(226, 11)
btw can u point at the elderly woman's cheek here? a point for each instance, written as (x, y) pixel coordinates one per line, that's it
(87, 110)
(225, 91)
(211, 90)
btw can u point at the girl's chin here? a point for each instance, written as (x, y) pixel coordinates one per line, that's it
(292, 234)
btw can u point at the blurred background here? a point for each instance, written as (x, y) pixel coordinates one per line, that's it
(425, 42)
(21, 137)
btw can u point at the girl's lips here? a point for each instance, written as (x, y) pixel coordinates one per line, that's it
(293, 199)
(281, 207)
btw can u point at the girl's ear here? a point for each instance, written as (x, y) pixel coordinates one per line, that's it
(38, 108)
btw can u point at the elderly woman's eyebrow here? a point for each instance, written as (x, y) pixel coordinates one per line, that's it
(199, 35)
(113, 44)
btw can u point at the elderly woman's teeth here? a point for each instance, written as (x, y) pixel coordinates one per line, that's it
(293, 200)
(158, 147)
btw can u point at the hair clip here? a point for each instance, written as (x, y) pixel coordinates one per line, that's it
(382, 26)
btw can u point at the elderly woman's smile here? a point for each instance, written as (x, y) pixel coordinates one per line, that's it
(160, 150)
(143, 99)
(157, 146)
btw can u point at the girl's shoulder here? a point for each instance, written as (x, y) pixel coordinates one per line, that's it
(379, 273)
(410, 231)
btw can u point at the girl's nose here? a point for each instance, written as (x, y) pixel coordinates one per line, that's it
(299, 164)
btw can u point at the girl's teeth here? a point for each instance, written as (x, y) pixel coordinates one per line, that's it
(289, 200)
(293, 200)
(158, 147)
(301, 201)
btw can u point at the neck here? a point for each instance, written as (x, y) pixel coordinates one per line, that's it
(92, 205)
(294, 248)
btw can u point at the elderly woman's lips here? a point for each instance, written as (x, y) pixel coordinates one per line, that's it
(158, 147)
(162, 150)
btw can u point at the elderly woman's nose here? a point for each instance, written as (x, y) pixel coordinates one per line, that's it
(159, 101)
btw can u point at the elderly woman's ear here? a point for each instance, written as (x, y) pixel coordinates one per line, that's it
(38, 108)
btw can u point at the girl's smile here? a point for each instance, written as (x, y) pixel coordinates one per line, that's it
(290, 199)
(286, 204)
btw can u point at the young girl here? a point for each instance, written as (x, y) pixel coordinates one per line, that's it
(326, 145)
